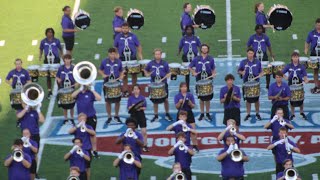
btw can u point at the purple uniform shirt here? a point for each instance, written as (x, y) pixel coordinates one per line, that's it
(185, 106)
(63, 71)
(261, 18)
(78, 161)
(134, 100)
(227, 134)
(254, 42)
(16, 171)
(275, 126)
(229, 168)
(107, 66)
(67, 23)
(28, 150)
(128, 171)
(299, 69)
(22, 74)
(85, 137)
(133, 43)
(162, 68)
(312, 39)
(281, 153)
(183, 157)
(247, 66)
(274, 89)
(185, 20)
(30, 121)
(198, 62)
(186, 41)
(85, 103)
(54, 44)
(236, 93)
(135, 147)
(178, 128)
(117, 23)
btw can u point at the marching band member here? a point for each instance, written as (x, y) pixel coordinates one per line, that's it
(204, 69)
(78, 158)
(111, 70)
(232, 129)
(30, 147)
(159, 71)
(65, 79)
(297, 74)
(52, 51)
(18, 77)
(231, 169)
(189, 43)
(287, 164)
(230, 96)
(182, 125)
(126, 170)
(250, 69)
(313, 42)
(139, 115)
(176, 168)
(260, 42)
(186, 19)
(84, 132)
(118, 20)
(128, 47)
(68, 29)
(18, 170)
(182, 154)
(261, 18)
(279, 93)
(75, 171)
(283, 149)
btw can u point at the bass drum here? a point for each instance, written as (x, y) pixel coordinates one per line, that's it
(280, 16)
(82, 19)
(204, 16)
(135, 19)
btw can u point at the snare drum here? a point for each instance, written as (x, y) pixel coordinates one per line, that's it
(204, 89)
(277, 66)
(157, 92)
(33, 72)
(313, 63)
(266, 67)
(44, 70)
(204, 16)
(133, 67)
(112, 91)
(251, 90)
(297, 95)
(53, 69)
(184, 69)
(304, 61)
(143, 65)
(15, 99)
(135, 19)
(174, 68)
(280, 16)
(82, 19)
(65, 99)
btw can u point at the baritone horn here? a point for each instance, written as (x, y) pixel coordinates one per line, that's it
(128, 158)
(179, 176)
(84, 73)
(17, 155)
(32, 94)
(236, 154)
(291, 174)
(73, 178)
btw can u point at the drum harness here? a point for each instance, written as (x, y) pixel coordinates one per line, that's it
(66, 82)
(204, 73)
(126, 49)
(112, 77)
(250, 76)
(18, 83)
(190, 54)
(259, 52)
(157, 79)
(295, 79)
(50, 55)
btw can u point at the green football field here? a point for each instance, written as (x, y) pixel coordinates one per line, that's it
(24, 21)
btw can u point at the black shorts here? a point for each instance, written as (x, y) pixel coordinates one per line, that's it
(92, 121)
(131, 58)
(55, 61)
(233, 178)
(252, 100)
(36, 138)
(83, 176)
(187, 172)
(296, 103)
(110, 100)
(140, 118)
(159, 101)
(232, 113)
(33, 168)
(185, 58)
(69, 42)
(88, 163)
(190, 117)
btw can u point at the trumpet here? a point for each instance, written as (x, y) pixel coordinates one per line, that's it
(181, 147)
(128, 158)
(233, 129)
(73, 178)
(83, 128)
(184, 128)
(25, 144)
(179, 176)
(130, 134)
(286, 142)
(84, 73)
(79, 151)
(32, 94)
(236, 154)
(282, 122)
(17, 155)
(291, 174)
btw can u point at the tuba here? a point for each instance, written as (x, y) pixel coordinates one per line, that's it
(179, 176)
(128, 158)
(32, 94)
(84, 73)
(17, 155)
(236, 154)
(73, 178)
(291, 174)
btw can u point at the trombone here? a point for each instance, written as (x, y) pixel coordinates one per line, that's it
(83, 128)
(291, 174)
(128, 158)
(18, 155)
(79, 150)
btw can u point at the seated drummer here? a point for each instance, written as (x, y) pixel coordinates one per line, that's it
(297, 74)
(204, 69)
(249, 69)
(128, 46)
(52, 51)
(159, 71)
(18, 77)
(111, 70)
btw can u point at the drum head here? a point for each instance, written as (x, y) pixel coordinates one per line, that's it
(277, 63)
(33, 67)
(281, 18)
(112, 84)
(314, 58)
(135, 20)
(154, 84)
(174, 65)
(65, 90)
(132, 62)
(82, 21)
(185, 64)
(205, 18)
(144, 61)
(303, 59)
(251, 83)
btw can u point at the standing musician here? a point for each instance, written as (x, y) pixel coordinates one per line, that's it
(159, 71)
(260, 42)
(18, 170)
(30, 147)
(231, 130)
(250, 69)
(204, 69)
(230, 169)
(279, 93)
(230, 96)
(52, 51)
(287, 164)
(176, 169)
(261, 18)
(313, 42)
(68, 29)
(186, 19)
(138, 114)
(65, 79)
(18, 77)
(118, 20)
(297, 74)
(128, 47)
(74, 172)
(189, 43)
(283, 149)
(111, 70)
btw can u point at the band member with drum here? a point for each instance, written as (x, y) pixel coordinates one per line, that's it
(230, 96)
(205, 69)
(127, 170)
(283, 149)
(279, 94)
(297, 75)
(18, 77)
(118, 20)
(65, 80)
(30, 147)
(287, 164)
(231, 169)
(78, 157)
(260, 42)
(159, 71)
(176, 169)
(189, 43)
(18, 170)
(261, 18)
(313, 43)
(111, 70)
(68, 29)
(128, 47)
(250, 69)
(138, 114)
(186, 19)
(231, 130)
(182, 154)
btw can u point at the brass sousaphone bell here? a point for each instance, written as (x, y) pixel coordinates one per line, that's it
(84, 73)
(32, 94)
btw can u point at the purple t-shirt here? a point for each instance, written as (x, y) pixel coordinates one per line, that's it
(16, 171)
(162, 67)
(85, 103)
(246, 65)
(63, 71)
(254, 42)
(29, 151)
(275, 126)
(107, 66)
(54, 44)
(312, 39)
(236, 93)
(78, 161)
(185, 106)
(185, 20)
(274, 89)
(281, 153)
(183, 157)
(178, 128)
(134, 100)
(30, 121)
(300, 71)
(128, 171)
(85, 137)
(116, 23)
(198, 62)
(186, 41)
(67, 23)
(133, 43)
(22, 74)
(261, 18)
(229, 168)
(135, 147)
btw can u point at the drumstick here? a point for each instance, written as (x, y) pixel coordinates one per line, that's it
(212, 76)
(164, 77)
(257, 77)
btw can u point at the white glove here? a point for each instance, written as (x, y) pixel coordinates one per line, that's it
(178, 144)
(235, 146)
(278, 142)
(230, 149)
(228, 127)
(120, 156)
(284, 124)
(134, 135)
(74, 148)
(80, 124)
(27, 107)
(81, 154)
(127, 132)
(39, 107)
(275, 117)
(186, 147)
(24, 139)
(178, 122)
(81, 88)
(28, 142)
(92, 87)
(290, 146)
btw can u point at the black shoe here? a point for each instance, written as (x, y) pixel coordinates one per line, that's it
(18, 124)
(65, 121)
(145, 149)
(117, 119)
(304, 116)
(201, 117)
(247, 117)
(72, 122)
(195, 148)
(109, 120)
(37, 176)
(155, 118)
(95, 154)
(208, 117)
(315, 90)
(292, 117)
(49, 95)
(258, 117)
(168, 117)
(267, 87)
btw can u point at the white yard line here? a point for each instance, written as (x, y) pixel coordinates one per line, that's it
(30, 58)
(315, 177)
(34, 42)
(228, 24)
(2, 42)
